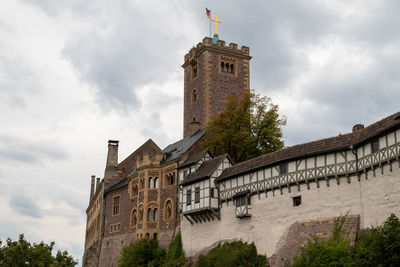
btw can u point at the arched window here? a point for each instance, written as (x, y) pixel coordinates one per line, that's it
(150, 182)
(172, 180)
(168, 210)
(194, 119)
(140, 213)
(149, 215)
(226, 67)
(156, 182)
(147, 235)
(232, 68)
(222, 66)
(134, 217)
(155, 216)
(141, 183)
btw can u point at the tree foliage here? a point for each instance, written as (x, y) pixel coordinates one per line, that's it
(175, 256)
(145, 252)
(379, 247)
(237, 253)
(23, 253)
(248, 127)
(332, 252)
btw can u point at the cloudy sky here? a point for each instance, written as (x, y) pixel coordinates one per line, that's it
(74, 74)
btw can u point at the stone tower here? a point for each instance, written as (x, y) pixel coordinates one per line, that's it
(212, 72)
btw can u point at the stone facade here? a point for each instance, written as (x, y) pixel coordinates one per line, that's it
(212, 73)
(278, 200)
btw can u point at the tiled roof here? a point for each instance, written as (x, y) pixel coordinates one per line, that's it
(192, 159)
(177, 149)
(205, 170)
(316, 147)
(124, 182)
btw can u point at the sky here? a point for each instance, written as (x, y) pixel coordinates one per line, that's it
(74, 74)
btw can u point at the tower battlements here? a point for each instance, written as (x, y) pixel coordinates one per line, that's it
(221, 46)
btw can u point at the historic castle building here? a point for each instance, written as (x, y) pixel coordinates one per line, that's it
(277, 200)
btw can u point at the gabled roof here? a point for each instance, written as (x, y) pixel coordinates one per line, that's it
(327, 145)
(137, 151)
(205, 170)
(192, 159)
(177, 149)
(124, 182)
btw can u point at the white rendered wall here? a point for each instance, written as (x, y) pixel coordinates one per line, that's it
(374, 199)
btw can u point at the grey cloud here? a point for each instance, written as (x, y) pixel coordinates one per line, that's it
(25, 205)
(29, 151)
(18, 82)
(128, 53)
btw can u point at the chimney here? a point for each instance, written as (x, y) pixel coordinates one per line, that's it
(97, 182)
(92, 187)
(112, 155)
(357, 127)
(112, 161)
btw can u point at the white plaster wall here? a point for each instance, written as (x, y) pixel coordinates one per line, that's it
(374, 199)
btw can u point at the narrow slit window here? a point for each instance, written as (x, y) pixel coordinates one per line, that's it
(189, 197)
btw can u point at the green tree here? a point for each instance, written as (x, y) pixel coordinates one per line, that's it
(236, 253)
(145, 252)
(248, 127)
(381, 247)
(332, 252)
(22, 253)
(175, 256)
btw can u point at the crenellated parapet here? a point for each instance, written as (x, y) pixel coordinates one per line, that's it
(221, 46)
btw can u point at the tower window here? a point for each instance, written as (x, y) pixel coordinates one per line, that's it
(227, 67)
(194, 68)
(194, 96)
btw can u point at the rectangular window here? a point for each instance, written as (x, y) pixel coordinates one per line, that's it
(212, 192)
(296, 201)
(118, 227)
(189, 197)
(243, 206)
(283, 167)
(116, 205)
(375, 146)
(197, 195)
(185, 174)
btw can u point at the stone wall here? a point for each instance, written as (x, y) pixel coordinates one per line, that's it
(373, 199)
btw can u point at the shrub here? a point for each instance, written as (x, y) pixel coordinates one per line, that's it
(235, 253)
(381, 247)
(332, 252)
(145, 252)
(175, 255)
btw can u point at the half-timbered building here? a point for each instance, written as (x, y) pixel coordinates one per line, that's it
(260, 199)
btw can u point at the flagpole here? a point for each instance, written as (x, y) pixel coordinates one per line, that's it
(210, 26)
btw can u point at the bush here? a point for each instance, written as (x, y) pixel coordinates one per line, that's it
(175, 256)
(145, 252)
(381, 247)
(235, 253)
(332, 252)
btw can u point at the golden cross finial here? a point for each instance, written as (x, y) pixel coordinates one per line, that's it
(216, 21)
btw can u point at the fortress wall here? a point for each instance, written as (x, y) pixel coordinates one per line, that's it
(374, 199)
